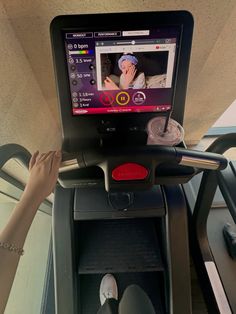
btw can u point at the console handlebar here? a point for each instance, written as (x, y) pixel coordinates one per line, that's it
(152, 153)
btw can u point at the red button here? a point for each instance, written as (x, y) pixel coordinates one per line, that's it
(106, 99)
(129, 171)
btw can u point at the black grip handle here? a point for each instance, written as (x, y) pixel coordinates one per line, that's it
(153, 153)
(158, 154)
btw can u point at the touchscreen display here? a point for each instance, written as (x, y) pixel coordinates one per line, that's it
(121, 71)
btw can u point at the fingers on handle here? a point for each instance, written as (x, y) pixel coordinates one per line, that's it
(33, 159)
(47, 160)
(39, 157)
(51, 160)
(46, 156)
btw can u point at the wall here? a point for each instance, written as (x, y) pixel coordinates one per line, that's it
(24, 114)
(211, 86)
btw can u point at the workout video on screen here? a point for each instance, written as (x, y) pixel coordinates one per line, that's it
(134, 66)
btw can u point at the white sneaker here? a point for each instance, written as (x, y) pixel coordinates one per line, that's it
(108, 288)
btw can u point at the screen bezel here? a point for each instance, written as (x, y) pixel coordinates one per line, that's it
(71, 124)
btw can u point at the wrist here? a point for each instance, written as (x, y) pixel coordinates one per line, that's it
(30, 198)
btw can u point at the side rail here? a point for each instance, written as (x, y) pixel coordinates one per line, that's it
(227, 177)
(16, 151)
(226, 180)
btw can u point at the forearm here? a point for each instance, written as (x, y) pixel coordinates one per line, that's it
(43, 177)
(14, 233)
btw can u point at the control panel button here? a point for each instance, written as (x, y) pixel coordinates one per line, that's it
(122, 98)
(106, 99)
(138, 98)
(129, 171)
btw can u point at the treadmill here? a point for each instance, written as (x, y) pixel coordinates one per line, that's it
(120, 207)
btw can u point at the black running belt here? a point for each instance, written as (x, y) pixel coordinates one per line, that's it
(118, 246)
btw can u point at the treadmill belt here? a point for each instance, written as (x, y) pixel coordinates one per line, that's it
(89, 289)
(118, 246)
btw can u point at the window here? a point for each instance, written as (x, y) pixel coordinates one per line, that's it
(226, 123)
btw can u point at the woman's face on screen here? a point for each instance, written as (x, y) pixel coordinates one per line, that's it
(126, 65)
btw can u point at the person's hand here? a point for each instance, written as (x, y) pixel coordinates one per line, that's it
(43, 175)
(128, 76)
(109, 84)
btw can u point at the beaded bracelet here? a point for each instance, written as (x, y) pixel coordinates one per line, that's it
(11, 248)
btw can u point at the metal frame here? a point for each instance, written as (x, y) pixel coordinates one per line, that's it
(63, 252)
(10, 151)
(179, 280)
(210, 180)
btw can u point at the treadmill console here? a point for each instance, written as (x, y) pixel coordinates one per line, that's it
(115, 72)
(120, 71)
